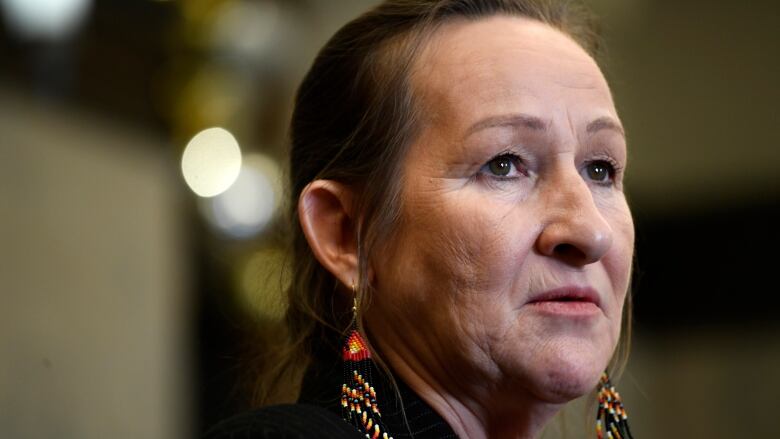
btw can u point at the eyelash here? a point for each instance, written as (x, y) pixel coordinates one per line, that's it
(516, 161)
(613, 168)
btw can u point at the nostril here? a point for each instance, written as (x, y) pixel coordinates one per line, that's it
(570, 253)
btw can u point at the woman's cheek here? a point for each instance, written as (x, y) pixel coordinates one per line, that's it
(617, 265)
(489, 241)
(621, 257)
(466, 237)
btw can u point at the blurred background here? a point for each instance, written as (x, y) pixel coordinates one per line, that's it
(134, 278)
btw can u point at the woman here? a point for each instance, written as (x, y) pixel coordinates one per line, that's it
(457, 170)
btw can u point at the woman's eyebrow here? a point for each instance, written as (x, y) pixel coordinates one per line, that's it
(539, 124)
(516, 120)
(605, 123)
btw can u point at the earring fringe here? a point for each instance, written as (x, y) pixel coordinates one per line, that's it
(611, 417)
(358, 398)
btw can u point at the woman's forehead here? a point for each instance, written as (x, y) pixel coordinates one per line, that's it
(474, 69)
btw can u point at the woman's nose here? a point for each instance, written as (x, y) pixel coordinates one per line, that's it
(574, 230)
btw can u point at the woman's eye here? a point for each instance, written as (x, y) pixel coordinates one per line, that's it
(600, 171)
(506, 165)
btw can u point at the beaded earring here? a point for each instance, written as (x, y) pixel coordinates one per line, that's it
(611, 415)
(358, 397)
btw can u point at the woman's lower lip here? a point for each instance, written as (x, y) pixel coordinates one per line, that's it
(566, 308)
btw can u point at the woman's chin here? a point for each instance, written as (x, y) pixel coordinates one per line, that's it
(564, 384)
(563, 374)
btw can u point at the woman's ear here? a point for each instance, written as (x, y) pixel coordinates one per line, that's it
(325, 213)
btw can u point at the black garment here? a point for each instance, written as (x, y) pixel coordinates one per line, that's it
(318, 412)
(291, 421)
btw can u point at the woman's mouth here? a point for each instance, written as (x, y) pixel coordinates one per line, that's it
(568, 301)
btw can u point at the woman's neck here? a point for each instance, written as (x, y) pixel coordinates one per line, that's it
(479, 413)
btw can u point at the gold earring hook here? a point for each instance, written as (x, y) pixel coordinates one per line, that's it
(354, 297)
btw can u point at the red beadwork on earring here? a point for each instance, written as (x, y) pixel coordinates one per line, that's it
(358, 398)
(355, 348)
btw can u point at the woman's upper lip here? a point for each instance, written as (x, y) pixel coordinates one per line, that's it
(570, 293)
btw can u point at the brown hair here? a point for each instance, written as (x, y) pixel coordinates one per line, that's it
(353, 120)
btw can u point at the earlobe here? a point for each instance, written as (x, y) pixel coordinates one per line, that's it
(327, 220)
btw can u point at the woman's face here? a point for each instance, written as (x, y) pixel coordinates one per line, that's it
(512, 261)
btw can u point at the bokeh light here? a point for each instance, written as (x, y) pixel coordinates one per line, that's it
(211, 162)
(46, 19)
(250, 204)
(245, 28)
